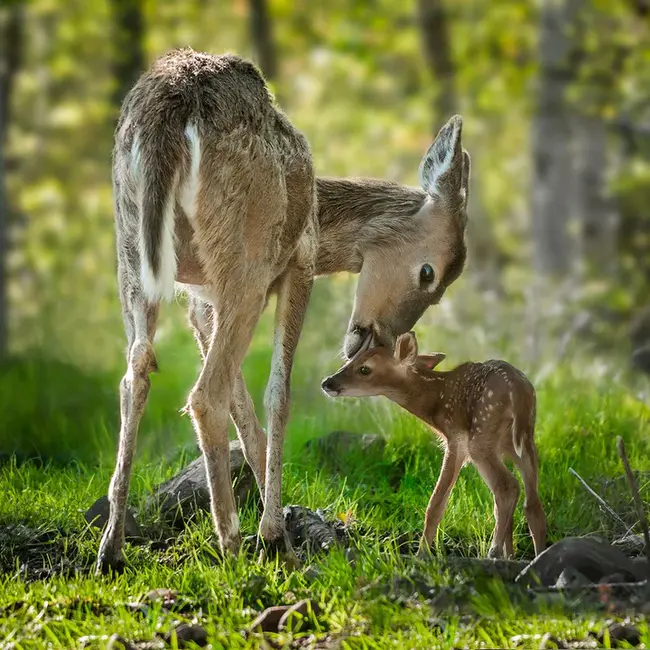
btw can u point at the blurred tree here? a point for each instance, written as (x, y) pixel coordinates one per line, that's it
(433, 19)
(435, 44)
(262, 38)
(11, 40)
(129, 58)
(552, 186)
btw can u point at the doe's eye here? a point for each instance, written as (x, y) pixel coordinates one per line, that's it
(427, 274)
(364, 370)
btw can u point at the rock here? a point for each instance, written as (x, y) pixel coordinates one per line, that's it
(310, 530)
(571, 577)
(641, 359)
(186, 634)
(269, 619)
(507, 570)
(612, 579)
(620, 633)
(182, 496)
(631, 545)
(342, 443)
(591, 556)
(642, 568)
(97, 515)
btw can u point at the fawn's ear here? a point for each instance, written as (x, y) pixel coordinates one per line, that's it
(430, 361)
(406, 348)
(445, 165)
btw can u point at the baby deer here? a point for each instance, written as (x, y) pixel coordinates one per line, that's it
(482, 411)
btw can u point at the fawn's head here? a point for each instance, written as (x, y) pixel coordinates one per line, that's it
(400, 279)
(375, 371)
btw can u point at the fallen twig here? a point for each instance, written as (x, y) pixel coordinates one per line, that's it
(600, 499)
(620, 445)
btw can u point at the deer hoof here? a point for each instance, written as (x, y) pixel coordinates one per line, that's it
(110, 562)
(279, 548)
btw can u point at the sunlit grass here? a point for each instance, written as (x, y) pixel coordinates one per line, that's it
(582, 407)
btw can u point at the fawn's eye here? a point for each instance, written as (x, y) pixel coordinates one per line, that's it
(426, 274)
(364, 370)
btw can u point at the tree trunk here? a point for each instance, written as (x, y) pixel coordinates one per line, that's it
(436, 48)
(596, 211)
(262, 38)
(434, 30)
(553, 168)
(129, 58)
(11, 39)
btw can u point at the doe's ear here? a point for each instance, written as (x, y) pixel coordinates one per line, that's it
(406, 348)
(443, 166)
(430, 361)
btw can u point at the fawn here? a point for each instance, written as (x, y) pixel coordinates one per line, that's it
(482, 411)
(216, 195)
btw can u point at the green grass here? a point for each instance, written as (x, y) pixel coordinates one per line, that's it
(580, 413)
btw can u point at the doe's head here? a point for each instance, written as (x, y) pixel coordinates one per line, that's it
(378, 371)
(415, 259)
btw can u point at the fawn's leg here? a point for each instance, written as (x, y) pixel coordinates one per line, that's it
(293, 296)
(242, 409)
(505, 488)
(455, 456)
(140, 320)
(528, 466)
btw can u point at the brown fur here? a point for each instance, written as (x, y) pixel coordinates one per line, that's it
(482, 411)
(215, 190)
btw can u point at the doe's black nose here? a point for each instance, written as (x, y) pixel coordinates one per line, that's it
(328, 384)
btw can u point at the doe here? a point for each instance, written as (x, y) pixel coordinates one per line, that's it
(484, 412)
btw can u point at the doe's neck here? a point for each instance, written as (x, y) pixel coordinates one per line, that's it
(355, 214)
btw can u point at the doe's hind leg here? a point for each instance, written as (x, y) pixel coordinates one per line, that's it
(140, 318)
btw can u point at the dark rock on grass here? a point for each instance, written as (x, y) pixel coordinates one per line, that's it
(179, 498)
(187, 633)
(97, 515)
(182, 496)
(631, 545)
(310, 531)
(591, 556)
(342, 452)
(507, 570)
(269, 619)
(642, 567)
(571, 578)
(339, 444)
(619, 634)
(281, 617)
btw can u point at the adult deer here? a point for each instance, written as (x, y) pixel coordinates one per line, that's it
(215, 190)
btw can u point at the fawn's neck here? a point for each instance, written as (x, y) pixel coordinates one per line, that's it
(422, 395)
(356, 214)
